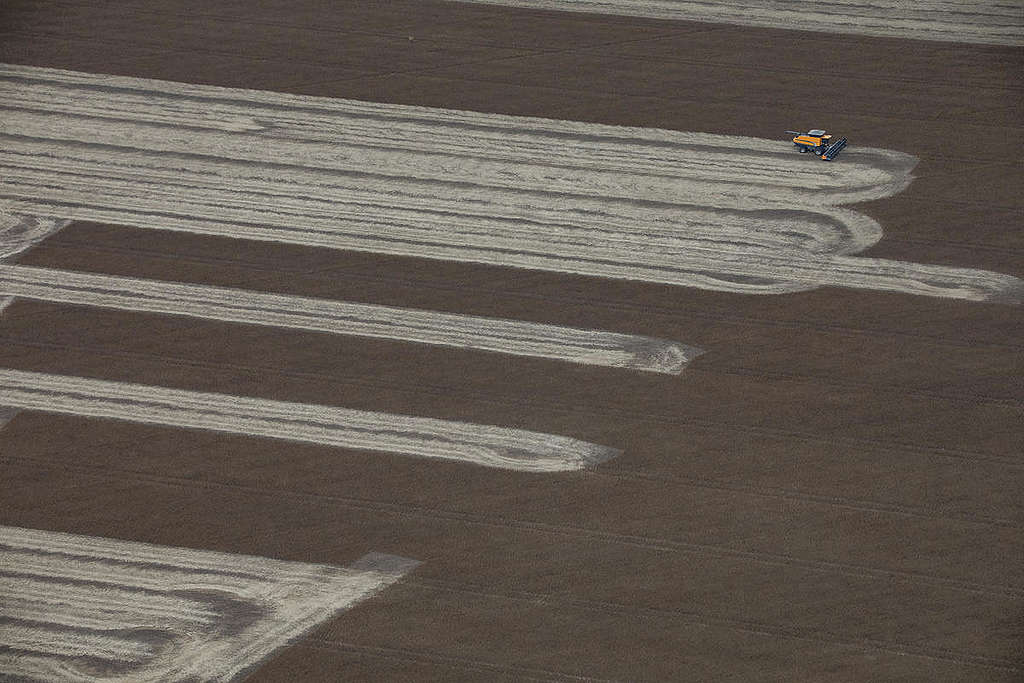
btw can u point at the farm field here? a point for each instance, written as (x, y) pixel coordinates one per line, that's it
(525, 336)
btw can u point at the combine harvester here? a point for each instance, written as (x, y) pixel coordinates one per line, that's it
(819, 142)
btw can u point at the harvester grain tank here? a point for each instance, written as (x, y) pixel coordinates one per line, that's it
(819, 142)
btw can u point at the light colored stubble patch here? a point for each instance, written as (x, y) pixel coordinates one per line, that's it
(19, 233)
(487, 445)
(82, 608)
(726, 213)
(589, 347)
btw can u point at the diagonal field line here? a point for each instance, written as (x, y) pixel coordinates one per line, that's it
(6, 415)
(482, 669)
(647, 309)
(491, 446)
(20, 233)
(705, 617)
(590, 347)
(870, 573)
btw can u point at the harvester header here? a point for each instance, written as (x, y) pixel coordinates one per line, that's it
(819, 142)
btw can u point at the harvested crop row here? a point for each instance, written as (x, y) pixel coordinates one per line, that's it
(82, 607)
(709, 211)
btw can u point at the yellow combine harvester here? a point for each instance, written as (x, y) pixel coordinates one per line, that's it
(819, 142)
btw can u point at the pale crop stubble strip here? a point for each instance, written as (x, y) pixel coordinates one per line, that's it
(18, 234)
(709, 211)
(491, 446)
(80, 608)
(591, 347)
(994, 22)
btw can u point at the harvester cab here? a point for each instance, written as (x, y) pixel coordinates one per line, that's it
(818, 142)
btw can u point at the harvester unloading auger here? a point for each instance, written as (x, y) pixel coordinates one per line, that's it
(819, 142)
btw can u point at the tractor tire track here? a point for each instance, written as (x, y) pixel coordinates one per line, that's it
(803, 496)
(868, 506)
(657, 544)
(704, 619)
(447, 661)
(641, 353)
(647, 416)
